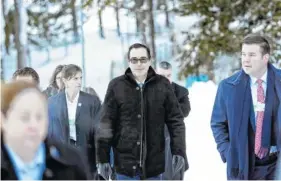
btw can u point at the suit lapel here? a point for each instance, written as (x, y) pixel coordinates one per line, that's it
(253, 116)
(268, 110)
(278, 107)
(64, 114)
(79, 106)
(278, 87)
(242, 100)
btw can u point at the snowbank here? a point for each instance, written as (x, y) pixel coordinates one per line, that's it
(204, 160)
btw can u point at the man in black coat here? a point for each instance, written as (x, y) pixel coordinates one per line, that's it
(136, 108)
(74, 115)
(165, 69)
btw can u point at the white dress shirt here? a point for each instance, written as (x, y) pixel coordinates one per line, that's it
(71, 109)
(254, 89)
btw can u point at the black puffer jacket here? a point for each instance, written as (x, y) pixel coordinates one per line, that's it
(182, 96)
(132, 122)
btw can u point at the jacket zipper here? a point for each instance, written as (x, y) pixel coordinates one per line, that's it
(141, 143)
(142, 123)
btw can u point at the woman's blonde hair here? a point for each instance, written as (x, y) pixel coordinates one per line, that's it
(10, 90)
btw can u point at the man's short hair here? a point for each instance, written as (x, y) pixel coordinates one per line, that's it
(260, 40)
(139, 45)
(165, 65)
(70, 71)
(27, 71)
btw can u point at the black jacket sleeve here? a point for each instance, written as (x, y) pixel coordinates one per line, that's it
(175, 124)
(109, 113)
(95, 115)
(182, 95)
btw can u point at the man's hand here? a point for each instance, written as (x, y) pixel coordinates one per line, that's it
(178, 163)
(104, 169)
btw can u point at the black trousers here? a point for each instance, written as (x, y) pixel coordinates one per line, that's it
(265, 168)
(169, 174)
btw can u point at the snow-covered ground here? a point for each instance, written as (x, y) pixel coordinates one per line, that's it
(204, 160)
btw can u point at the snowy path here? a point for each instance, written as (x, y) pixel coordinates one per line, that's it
(204, 160)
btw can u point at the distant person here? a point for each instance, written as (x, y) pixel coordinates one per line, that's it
(246, 114)
(26, 154)
(165, 69)
(27, 74)
(56, 83)
(74, 116)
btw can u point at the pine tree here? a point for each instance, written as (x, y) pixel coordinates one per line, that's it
(222, 26)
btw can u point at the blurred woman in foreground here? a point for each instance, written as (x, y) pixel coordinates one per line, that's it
(25, 152)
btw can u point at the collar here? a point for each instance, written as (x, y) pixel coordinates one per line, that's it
(263, 78)
(38, 160)
(150, 74)
(242, 76)
(74, 100)
(140, 82)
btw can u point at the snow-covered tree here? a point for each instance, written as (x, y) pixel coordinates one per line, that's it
(20, 32)
(221, 28)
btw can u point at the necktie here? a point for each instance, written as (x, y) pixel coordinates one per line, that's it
(259, 150)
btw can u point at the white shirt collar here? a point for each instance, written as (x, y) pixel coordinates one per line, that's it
(140, 82)
(74, 100)
(263, 78)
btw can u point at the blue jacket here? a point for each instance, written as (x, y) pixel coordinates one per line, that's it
(227, 117)
(278, 169)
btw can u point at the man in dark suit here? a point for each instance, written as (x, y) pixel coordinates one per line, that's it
(165, 69)
(247, 113)
(74, 115)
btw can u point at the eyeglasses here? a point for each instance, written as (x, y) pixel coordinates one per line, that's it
(141, 60)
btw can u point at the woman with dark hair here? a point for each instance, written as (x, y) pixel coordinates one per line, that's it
(56, 83)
